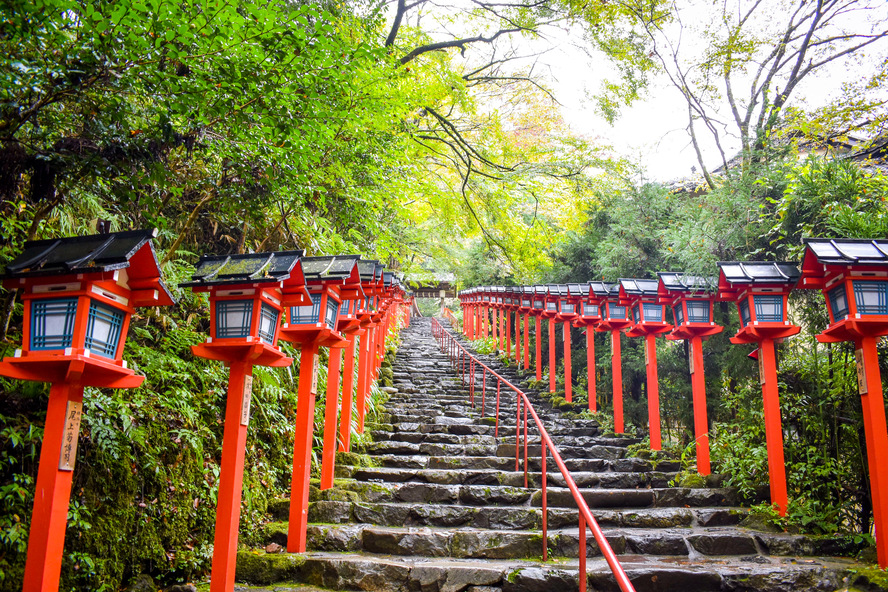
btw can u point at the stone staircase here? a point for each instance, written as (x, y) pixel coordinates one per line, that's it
(436, 505)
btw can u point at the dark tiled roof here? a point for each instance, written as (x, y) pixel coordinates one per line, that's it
(370, 270)
(681, 282)
(849, 251)
(603, 289)
(336, 267)
(79, 254)
(640, 287)
(218, 270)
(760, 272)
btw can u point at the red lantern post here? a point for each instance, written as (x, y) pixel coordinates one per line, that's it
(513, 296)
(853, 275)
(649, 320)
(509, 305)
(760, 290)
(614, 318)
(484, 306)
(347, 324)
(311, 323)
(589, 317)
(465, 300)
(245, 309)
(540, 293)
(78, 295)
(371, 281)
(525, 307)
(567, 312)
(550, 312)
(367, 352)
(691, 300)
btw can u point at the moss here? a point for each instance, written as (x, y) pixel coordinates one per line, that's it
(355, 459)
(512, 576)
(259, 568)
(869, 579)
(692, 480)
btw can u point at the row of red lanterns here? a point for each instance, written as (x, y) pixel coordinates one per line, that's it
(852, 274)
(79, 294)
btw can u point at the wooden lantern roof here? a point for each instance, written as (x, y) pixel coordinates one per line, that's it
(735, 276)
(129, 250)
(826, 257)
(599, 291)
(672, 283)
(248, 268)
(635, 288)
(332, 269)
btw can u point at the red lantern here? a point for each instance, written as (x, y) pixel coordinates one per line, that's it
(614, 318)
(311, 323)
(691, 300)
(367, 315)
(245, 309)
(78, 295)
(648, 320)
(525, 306)
(760, 290)
(348, 324)
(588, 318)
(853, 275)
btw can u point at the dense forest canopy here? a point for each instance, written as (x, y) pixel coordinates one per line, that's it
(427, 136)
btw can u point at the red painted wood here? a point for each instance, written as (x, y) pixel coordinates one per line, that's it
(701, 420)
(876, 443)
(331, 407)
(348, 387)
(539, 348)
(231, 477)
(298, 524)
(617, 368)
(526, 342)
(363, 376)
(49, 518)
(590, 368)
(773, 426)
(568, 379)
(653, 391)
(551, 323)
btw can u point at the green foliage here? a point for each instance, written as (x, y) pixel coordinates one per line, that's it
(485, 345)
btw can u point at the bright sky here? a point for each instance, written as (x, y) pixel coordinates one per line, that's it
(653, 131)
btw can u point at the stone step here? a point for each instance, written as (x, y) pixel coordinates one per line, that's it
(503, 463)
(450, 476)
(483, 427)
(505, 518)
(366, 571)
(463, 542)
(504, 438)
(505, 495)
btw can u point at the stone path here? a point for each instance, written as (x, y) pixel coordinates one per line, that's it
(437, 506)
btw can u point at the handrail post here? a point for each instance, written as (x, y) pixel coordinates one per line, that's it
(496, 429)
(483, 397)
(517, 432)
(582, 553)
(545, 521)
(526, 405)
(471, 378)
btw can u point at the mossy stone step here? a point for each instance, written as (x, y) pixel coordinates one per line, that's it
(507, 517)
(367, 571)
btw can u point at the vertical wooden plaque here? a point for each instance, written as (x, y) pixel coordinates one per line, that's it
(73, 413)
(245, 405)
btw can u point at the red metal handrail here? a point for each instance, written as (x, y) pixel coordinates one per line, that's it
(460, 357)
(448, 314)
